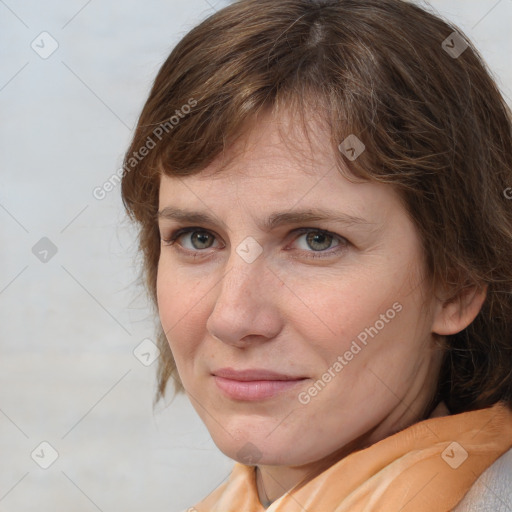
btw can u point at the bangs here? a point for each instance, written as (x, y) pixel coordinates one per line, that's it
(396, 107)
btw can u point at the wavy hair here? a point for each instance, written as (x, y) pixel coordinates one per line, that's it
(411, 87)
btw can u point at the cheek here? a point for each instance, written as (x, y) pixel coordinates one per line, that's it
(166, 292)
(334, 312)
(178, 292)
(180, 308)
(371, 321)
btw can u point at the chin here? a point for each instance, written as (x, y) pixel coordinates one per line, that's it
(248, 447)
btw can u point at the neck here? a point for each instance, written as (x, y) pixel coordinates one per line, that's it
(274, 481)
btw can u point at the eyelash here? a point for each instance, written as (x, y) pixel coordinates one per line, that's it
(343, 242)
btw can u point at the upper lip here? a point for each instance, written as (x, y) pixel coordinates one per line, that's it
(253, 374)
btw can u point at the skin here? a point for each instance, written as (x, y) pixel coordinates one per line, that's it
(293, 314)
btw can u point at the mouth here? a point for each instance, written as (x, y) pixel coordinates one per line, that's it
(254, 384)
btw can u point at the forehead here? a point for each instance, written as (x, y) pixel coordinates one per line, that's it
(275, 141)
(278, 164)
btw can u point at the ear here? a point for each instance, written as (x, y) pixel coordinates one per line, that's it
(456, 313)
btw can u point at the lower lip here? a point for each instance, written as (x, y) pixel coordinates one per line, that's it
(254, 389)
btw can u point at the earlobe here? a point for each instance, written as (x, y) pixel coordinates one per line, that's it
(455, 314)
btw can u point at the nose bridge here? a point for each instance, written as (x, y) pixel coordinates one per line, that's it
(245, 269)
(242, 280)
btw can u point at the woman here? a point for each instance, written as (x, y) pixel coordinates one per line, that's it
(320, 191)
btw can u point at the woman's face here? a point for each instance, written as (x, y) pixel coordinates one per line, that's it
(293, 300)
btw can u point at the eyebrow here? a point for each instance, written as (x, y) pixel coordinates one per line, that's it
(275, 220)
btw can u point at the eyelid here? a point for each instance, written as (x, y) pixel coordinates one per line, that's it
(343, 242)
(320, 230)
(177, 233)
(333, 251)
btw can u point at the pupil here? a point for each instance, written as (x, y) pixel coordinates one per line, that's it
(313, 238)
(201, 238)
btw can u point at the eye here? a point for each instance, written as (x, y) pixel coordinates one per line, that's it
(197, 239)
(319, 241)
(313, 242)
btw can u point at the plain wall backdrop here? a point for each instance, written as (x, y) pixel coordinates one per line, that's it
(73, 78)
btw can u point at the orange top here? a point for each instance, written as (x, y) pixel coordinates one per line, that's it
(427, 467)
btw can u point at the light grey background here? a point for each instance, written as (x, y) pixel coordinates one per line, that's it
(68, 326)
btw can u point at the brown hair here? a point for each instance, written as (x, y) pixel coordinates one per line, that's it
(434, 125)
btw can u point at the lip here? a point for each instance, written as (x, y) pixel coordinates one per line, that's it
(254, 384)
(253, 374)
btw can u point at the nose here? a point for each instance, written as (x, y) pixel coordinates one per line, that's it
(246, 309)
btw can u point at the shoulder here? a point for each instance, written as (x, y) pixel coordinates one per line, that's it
(492, 492)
